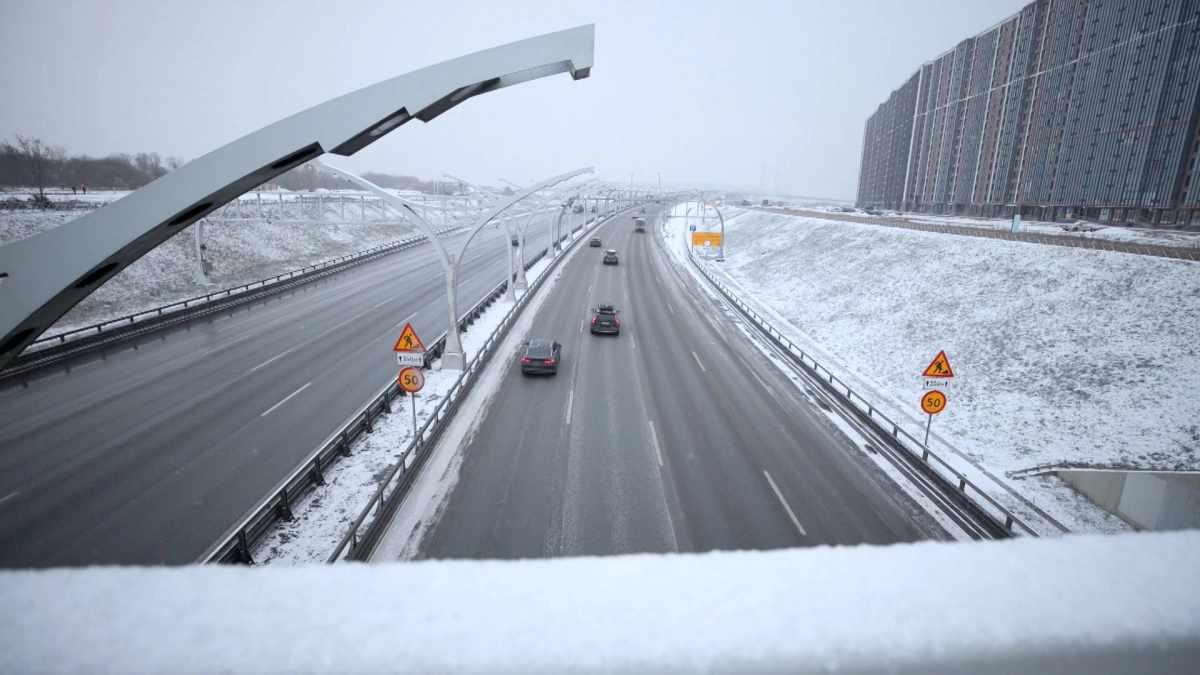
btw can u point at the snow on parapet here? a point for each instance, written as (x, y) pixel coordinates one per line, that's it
(1073, 604)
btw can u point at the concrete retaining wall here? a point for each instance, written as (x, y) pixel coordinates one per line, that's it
(1147, 500)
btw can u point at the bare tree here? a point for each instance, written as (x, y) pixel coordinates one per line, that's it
(174, 162)
(38, 162)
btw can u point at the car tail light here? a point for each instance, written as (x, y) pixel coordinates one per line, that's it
(548, 361)
(525, 360)
(593, 321)
(616, 321)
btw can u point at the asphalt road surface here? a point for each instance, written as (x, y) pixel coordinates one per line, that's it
(676, 435)
(149, 451)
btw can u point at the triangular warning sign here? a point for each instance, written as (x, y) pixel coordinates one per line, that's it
(408, 341)
(939, 367)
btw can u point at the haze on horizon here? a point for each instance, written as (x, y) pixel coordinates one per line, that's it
(754, 94)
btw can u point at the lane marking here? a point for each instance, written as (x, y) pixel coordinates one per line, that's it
(581, 322)
(764, 384)
(785, 504)
(654, 440)
(669, 306)
(698, 362)
(285, 400)
(10, 496)
(382, 303)
(269, 360)
(570, 404)
(633, 342)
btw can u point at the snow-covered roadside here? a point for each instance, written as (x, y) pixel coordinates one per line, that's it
(1138, 235)
(323, 517)
(242, 252)
(1054, 348)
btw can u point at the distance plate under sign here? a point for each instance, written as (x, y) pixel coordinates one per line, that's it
(410, 359)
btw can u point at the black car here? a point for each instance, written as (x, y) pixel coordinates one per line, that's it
(605, 321)
(595, 242)
(540, 357)
(610, 257)
(593, 208)
(516, 241)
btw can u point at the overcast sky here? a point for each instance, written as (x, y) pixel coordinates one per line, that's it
(769, 94)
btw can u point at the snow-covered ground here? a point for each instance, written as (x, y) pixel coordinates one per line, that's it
(1140, 235)
(1061, 355)
(1126, 603)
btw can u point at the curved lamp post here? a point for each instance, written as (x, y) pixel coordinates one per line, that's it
(452, 355)
(43, 276)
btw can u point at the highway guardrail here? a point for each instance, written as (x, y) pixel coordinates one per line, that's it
(236, 544)
(980, 501)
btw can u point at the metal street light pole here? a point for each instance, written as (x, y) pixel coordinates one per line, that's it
(452, 355)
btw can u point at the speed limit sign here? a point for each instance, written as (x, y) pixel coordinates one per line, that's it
(411, 379)
(933, 402)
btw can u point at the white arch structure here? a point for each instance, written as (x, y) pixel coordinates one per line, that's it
(43, 276)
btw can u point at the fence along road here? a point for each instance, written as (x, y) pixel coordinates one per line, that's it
(147, 451)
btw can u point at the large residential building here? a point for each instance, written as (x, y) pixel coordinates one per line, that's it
(1067, 109)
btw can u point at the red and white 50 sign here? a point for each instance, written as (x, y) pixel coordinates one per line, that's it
(411, 379)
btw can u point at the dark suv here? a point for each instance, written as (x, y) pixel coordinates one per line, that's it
(610, 257)
(595, 242)
(540, 357)
(605, 321)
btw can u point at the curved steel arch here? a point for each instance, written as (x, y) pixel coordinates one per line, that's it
(43, 276)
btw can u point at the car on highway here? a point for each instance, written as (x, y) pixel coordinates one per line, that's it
(540, 357)
(595, 242)
(515, 241)
(593, 208)
(610, 257)
(605, 320)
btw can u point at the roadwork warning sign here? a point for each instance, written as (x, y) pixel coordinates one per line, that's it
(408, 341)
(939, 367)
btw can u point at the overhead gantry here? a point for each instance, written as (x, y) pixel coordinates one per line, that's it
(44, 276)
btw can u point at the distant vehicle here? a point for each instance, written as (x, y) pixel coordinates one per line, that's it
(515, 241)
(540, 357)
(605, 321)
(593, 208)
(639, 224)
(643, 209)
(595, 242)
(578, 208)
(610, 257)
(1080, 226)
(766, 202)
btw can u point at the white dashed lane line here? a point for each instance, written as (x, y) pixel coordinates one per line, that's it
(786, 506)
(285, 400)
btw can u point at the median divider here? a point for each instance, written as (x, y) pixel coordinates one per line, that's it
(236, 544)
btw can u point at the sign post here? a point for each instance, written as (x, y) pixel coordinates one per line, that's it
(937, 376)
(411, 380)
(932, 402)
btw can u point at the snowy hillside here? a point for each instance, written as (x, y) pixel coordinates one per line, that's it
(1061, 355)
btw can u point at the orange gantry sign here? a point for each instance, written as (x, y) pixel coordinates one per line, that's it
(408, 341)
(939, 366)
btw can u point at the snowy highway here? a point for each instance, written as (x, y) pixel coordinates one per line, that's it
(146, 452)
(676, 435)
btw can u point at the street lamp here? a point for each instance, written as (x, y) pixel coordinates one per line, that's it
(452, 355)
